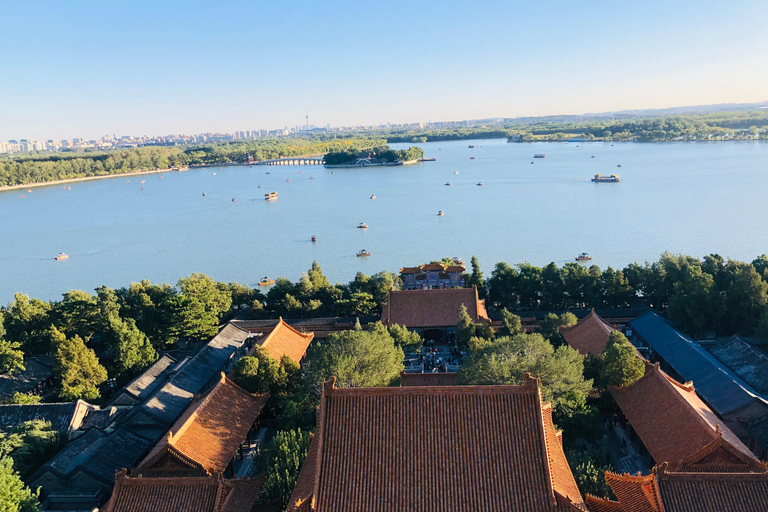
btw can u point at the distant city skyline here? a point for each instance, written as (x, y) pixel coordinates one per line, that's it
(80, 69)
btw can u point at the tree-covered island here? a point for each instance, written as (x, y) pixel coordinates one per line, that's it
(376, 156)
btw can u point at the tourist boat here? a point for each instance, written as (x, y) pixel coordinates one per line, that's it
(613, 178)
(455, 172)
(287, 181)
(213, 174)
(301, 172)
(471, 146)
(539, 155)
(28, 191)
(440, 213)
(314, 238)
(363, 253)
(22, 196)
(583, 257)
(61, 256)
(271, 196)
(448, 184)
(471, 158)
(373, 196)
(362, 225)
(267, 172)
(480, 184)
(593, 156)
(234, 200)
(619, 165)
(311, 177)
(259, 186)
(143, 181)
(203, 194)
(531, 161)
(266, 281)
(433, 159)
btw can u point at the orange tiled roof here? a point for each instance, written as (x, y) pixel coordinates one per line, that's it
(410, 270)
(206, 437)
(479, 448)
(455, 268)
(670, 418)
(285, 340)
(664, 491)
(433, 266)
(198, 494)
(589, 335)
(432, 308)
(712, 492)
(595, 504)
(429, 379)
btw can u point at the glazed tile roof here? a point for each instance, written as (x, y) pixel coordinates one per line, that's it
(702, 492)
(206, 437)
(722, 389)
(589, 335)
(429, 379)
(433, 267)
(432, 308)
(663, 491)
(410, 270)
(479, 448)
(284, 340)
(670, 418)
(192, 494)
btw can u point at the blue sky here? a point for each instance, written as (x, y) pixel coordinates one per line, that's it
(86, 69)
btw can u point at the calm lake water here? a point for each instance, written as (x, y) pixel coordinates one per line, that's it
(693, 198)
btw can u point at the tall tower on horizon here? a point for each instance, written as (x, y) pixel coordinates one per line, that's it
(307, 116)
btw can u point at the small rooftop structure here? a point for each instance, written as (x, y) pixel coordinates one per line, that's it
(433, 275)
(64, 417)
(284, 340)
(589, 335)
(429, 379)
(206, 437)
(198, 494)
(678, 428)
(432, 308)
(667, 491)
(483, 448)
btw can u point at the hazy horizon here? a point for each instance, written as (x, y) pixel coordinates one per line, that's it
(81, 69)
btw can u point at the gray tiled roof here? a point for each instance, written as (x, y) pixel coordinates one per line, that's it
(60, 415)
(149, 380)
(168, 401)
(722, 389)
(744, 360)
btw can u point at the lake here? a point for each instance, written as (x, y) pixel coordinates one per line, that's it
(693, 198)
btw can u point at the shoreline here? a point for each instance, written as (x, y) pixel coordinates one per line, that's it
(86, 178)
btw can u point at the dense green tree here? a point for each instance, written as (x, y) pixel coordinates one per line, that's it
(696, 304)
(281, 461)
(405, 339)
(11, 357)
(511, 324)
(503, 286)
(529, 285)
(508, 359)
(77, 314)
(476, 278)
(366, 358)
(616, 289)
(552, 288)
(27, 322)
(621, 366)
(260, 373)
(745, 297)
(155, 308)
(132, 350)
(466, 329)
(14, 495)
(588, 468)
(203, 303)
(76, 370)
(243, 295)
(550, 325)
(23, 399)
(30, 444)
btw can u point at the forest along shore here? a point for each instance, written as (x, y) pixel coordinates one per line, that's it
(88, 178)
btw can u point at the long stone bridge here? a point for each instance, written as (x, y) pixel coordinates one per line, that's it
(295, 160)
